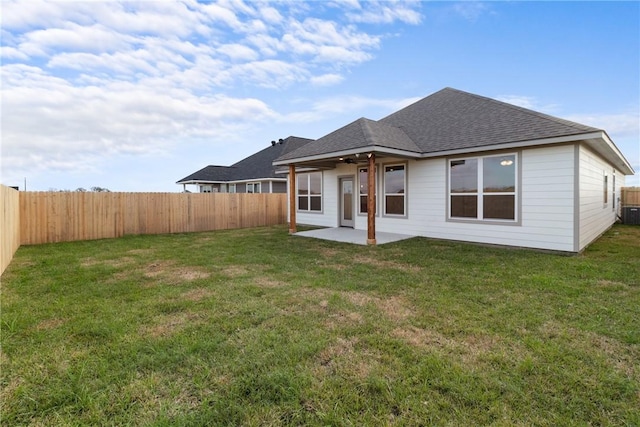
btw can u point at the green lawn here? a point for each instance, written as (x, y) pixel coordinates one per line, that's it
(256, 327)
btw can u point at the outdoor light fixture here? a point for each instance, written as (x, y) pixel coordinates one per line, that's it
(506, 162)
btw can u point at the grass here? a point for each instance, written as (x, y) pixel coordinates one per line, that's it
(255, 327)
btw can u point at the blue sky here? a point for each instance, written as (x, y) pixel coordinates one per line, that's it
(135, 96)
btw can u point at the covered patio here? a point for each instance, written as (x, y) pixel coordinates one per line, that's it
(350, 235)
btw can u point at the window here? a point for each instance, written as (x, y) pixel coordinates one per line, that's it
(232, 188)
(613, 191)
(253, 187)
(394, 189)
(205, 189)
(605, 183)
(310, 191)
(363, 179)
(483, 188)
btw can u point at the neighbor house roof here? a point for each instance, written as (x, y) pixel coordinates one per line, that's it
(256, 166)
(447, 121)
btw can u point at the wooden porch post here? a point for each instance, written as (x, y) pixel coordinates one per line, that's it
(292, 199)
(371, 200)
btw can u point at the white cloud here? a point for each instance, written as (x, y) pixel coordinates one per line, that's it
(387, 12)
(471, 10)
(83, 81)
(621, 124)
(238, 52)
(529, 102)
(344, 106)
(92, 122)
(326, 79)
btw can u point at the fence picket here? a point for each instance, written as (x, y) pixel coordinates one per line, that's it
(59, 217)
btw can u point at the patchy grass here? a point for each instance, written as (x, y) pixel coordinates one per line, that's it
(255, 327)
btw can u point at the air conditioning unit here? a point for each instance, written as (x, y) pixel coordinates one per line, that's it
(631, 215)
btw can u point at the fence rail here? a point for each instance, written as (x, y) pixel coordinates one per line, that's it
(60, 217)
(630, 196)
(9, 225)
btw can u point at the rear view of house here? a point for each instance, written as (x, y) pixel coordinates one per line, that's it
(459, 166)
(254, 174)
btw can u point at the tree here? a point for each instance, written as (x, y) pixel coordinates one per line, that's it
(100, 190)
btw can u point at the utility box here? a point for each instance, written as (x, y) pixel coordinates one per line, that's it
(631, 215)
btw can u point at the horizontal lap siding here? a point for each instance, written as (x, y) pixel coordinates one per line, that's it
(548, 182)
(546, 214)
(546, 192)
(596, 216)
(329, 215)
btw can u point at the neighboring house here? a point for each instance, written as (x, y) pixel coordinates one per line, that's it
(459, 166)
(254, 174)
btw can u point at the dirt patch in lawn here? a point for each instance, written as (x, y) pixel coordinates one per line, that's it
(265, 282)
(381, 263)
(198, 294)
(168, 271)
(118, 262)
(49, 324)
(609, 284)
(170, 324)
(394, 307)
(235, 271)
(469, 348)
(341, 356)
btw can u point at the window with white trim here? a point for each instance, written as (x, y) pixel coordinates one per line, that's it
(605, 188)
(363, 179)
(309, 188)
(483, 188)
(395, 184)
(613, 191)
(232, 188)
(253, 187)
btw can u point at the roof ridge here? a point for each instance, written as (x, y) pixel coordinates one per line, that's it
(366, 129)
(529, 111)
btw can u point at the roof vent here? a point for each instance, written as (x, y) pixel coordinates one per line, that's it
(281, 141)
(273, 143)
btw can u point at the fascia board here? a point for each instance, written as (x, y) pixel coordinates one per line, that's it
(198, 182)
(598, 135)
(612, 146)
(360, 150)
(242, 181)
(512, 145)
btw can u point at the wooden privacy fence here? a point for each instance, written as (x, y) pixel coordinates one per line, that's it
(59, 217)
(630, 196)
(9, 225)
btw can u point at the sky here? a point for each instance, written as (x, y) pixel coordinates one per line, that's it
(134, 96)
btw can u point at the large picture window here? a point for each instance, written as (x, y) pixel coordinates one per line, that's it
(395, 183)
(363, 179)
(310, 192)
(483, 188)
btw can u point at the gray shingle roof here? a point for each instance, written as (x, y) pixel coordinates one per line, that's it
(452, 119)
(258, 165)
(449, 119)
(361, 133)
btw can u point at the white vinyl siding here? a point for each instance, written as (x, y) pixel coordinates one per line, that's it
(596, 213)
(548, 207)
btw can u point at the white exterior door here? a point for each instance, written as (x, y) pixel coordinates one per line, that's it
(346, 202)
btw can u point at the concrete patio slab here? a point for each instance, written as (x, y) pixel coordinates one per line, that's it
(349, 235)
